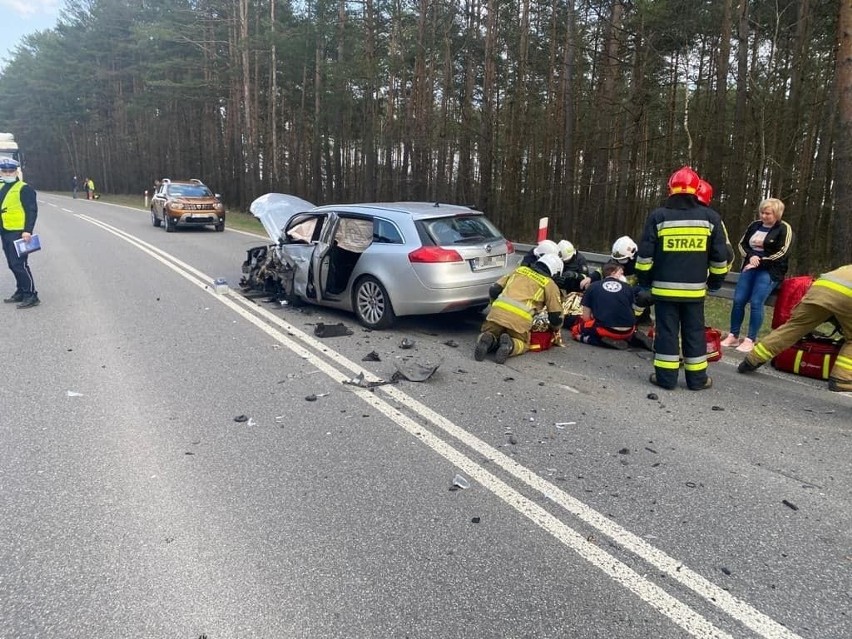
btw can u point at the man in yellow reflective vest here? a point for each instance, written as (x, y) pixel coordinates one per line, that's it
(682, 253)
(829, 296)
(516, 299)
(18, 212)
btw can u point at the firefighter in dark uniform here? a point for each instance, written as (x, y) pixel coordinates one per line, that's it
(18, 212)
(681, 254)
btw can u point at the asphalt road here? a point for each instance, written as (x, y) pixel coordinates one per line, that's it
(133, 504)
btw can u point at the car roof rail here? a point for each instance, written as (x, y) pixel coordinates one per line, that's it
(196, 181)
(165, 181)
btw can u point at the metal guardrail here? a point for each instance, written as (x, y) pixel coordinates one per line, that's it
(597, 260)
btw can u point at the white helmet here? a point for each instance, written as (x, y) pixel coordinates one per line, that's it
(566, 250)
(624, 249)
(545, 247)
(553, 263)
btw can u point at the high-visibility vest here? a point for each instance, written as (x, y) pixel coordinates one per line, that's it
(12, 211)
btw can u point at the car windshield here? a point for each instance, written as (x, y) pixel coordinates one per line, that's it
(462, 229)
(189, 190)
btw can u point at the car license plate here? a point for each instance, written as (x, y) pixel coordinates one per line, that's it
(488, 261)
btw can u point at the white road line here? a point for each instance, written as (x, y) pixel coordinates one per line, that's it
(649, 592)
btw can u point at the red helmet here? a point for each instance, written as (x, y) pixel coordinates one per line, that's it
(684, 180)
(704, 192)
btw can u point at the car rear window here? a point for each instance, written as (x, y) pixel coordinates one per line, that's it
(462, 229)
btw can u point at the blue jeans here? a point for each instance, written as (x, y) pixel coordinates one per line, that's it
(753, 287)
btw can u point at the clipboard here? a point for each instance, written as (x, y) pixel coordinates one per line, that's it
(25, 248)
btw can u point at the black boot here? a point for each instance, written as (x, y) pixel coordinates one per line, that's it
(504, 350)
(484, 344)
(29, 301)
(747, 367)
(17, 296)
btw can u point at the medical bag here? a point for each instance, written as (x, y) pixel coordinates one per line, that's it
(811, 356)
(541, 340)
(713, 337)
(790, 292)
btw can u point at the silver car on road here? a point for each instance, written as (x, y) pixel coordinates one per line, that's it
(378, 260)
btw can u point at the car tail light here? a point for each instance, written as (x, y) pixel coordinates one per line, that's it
(432, 254)
(510, 248)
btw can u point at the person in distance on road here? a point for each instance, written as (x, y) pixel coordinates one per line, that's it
(516, 299)
(829, 295)
(18, 213)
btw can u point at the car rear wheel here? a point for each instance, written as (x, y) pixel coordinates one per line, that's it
(154, 219)
(372, 305)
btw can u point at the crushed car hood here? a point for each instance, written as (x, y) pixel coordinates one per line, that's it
(274, 210)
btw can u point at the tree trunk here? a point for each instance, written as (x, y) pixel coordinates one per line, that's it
(842, 227)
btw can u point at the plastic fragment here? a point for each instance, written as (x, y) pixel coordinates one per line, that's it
(717, 408)
(74, 394)
(372, 356)
(241, 418)
(460, 483)
(311, 398)
(789, 504)
(415, 371)
(451, 343)
(653, 396)
(406, 343)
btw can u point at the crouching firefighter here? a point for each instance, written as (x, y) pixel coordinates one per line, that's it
(829, 295)
(516, 299)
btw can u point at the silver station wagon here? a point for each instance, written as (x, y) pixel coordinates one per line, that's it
(380, 261)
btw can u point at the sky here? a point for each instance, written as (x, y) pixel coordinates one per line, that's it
(23, 17)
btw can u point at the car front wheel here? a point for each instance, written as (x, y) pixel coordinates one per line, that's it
(372, 304)
(154, 219)
(168, 223)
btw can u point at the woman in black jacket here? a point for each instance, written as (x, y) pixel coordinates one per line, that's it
(764, 247)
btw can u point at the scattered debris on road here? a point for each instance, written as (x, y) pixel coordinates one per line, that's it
(331, 330)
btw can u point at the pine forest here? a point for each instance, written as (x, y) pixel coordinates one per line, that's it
(573, 109)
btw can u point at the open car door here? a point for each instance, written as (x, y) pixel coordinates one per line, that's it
(342, 241)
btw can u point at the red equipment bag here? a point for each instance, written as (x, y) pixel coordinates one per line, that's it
(790, 292)
(810, 356)
(712, 336)
(541, 340)
(714, 343)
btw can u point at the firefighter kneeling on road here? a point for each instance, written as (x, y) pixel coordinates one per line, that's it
(516, 299)
(829, 296)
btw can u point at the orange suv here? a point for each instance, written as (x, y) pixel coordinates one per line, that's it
(186, 203)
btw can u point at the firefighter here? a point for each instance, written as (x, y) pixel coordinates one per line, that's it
(575, 268)
(704, 195)
(18, 213)
(681, 254)
(545, 247)
(516, 299)
(829, 296)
